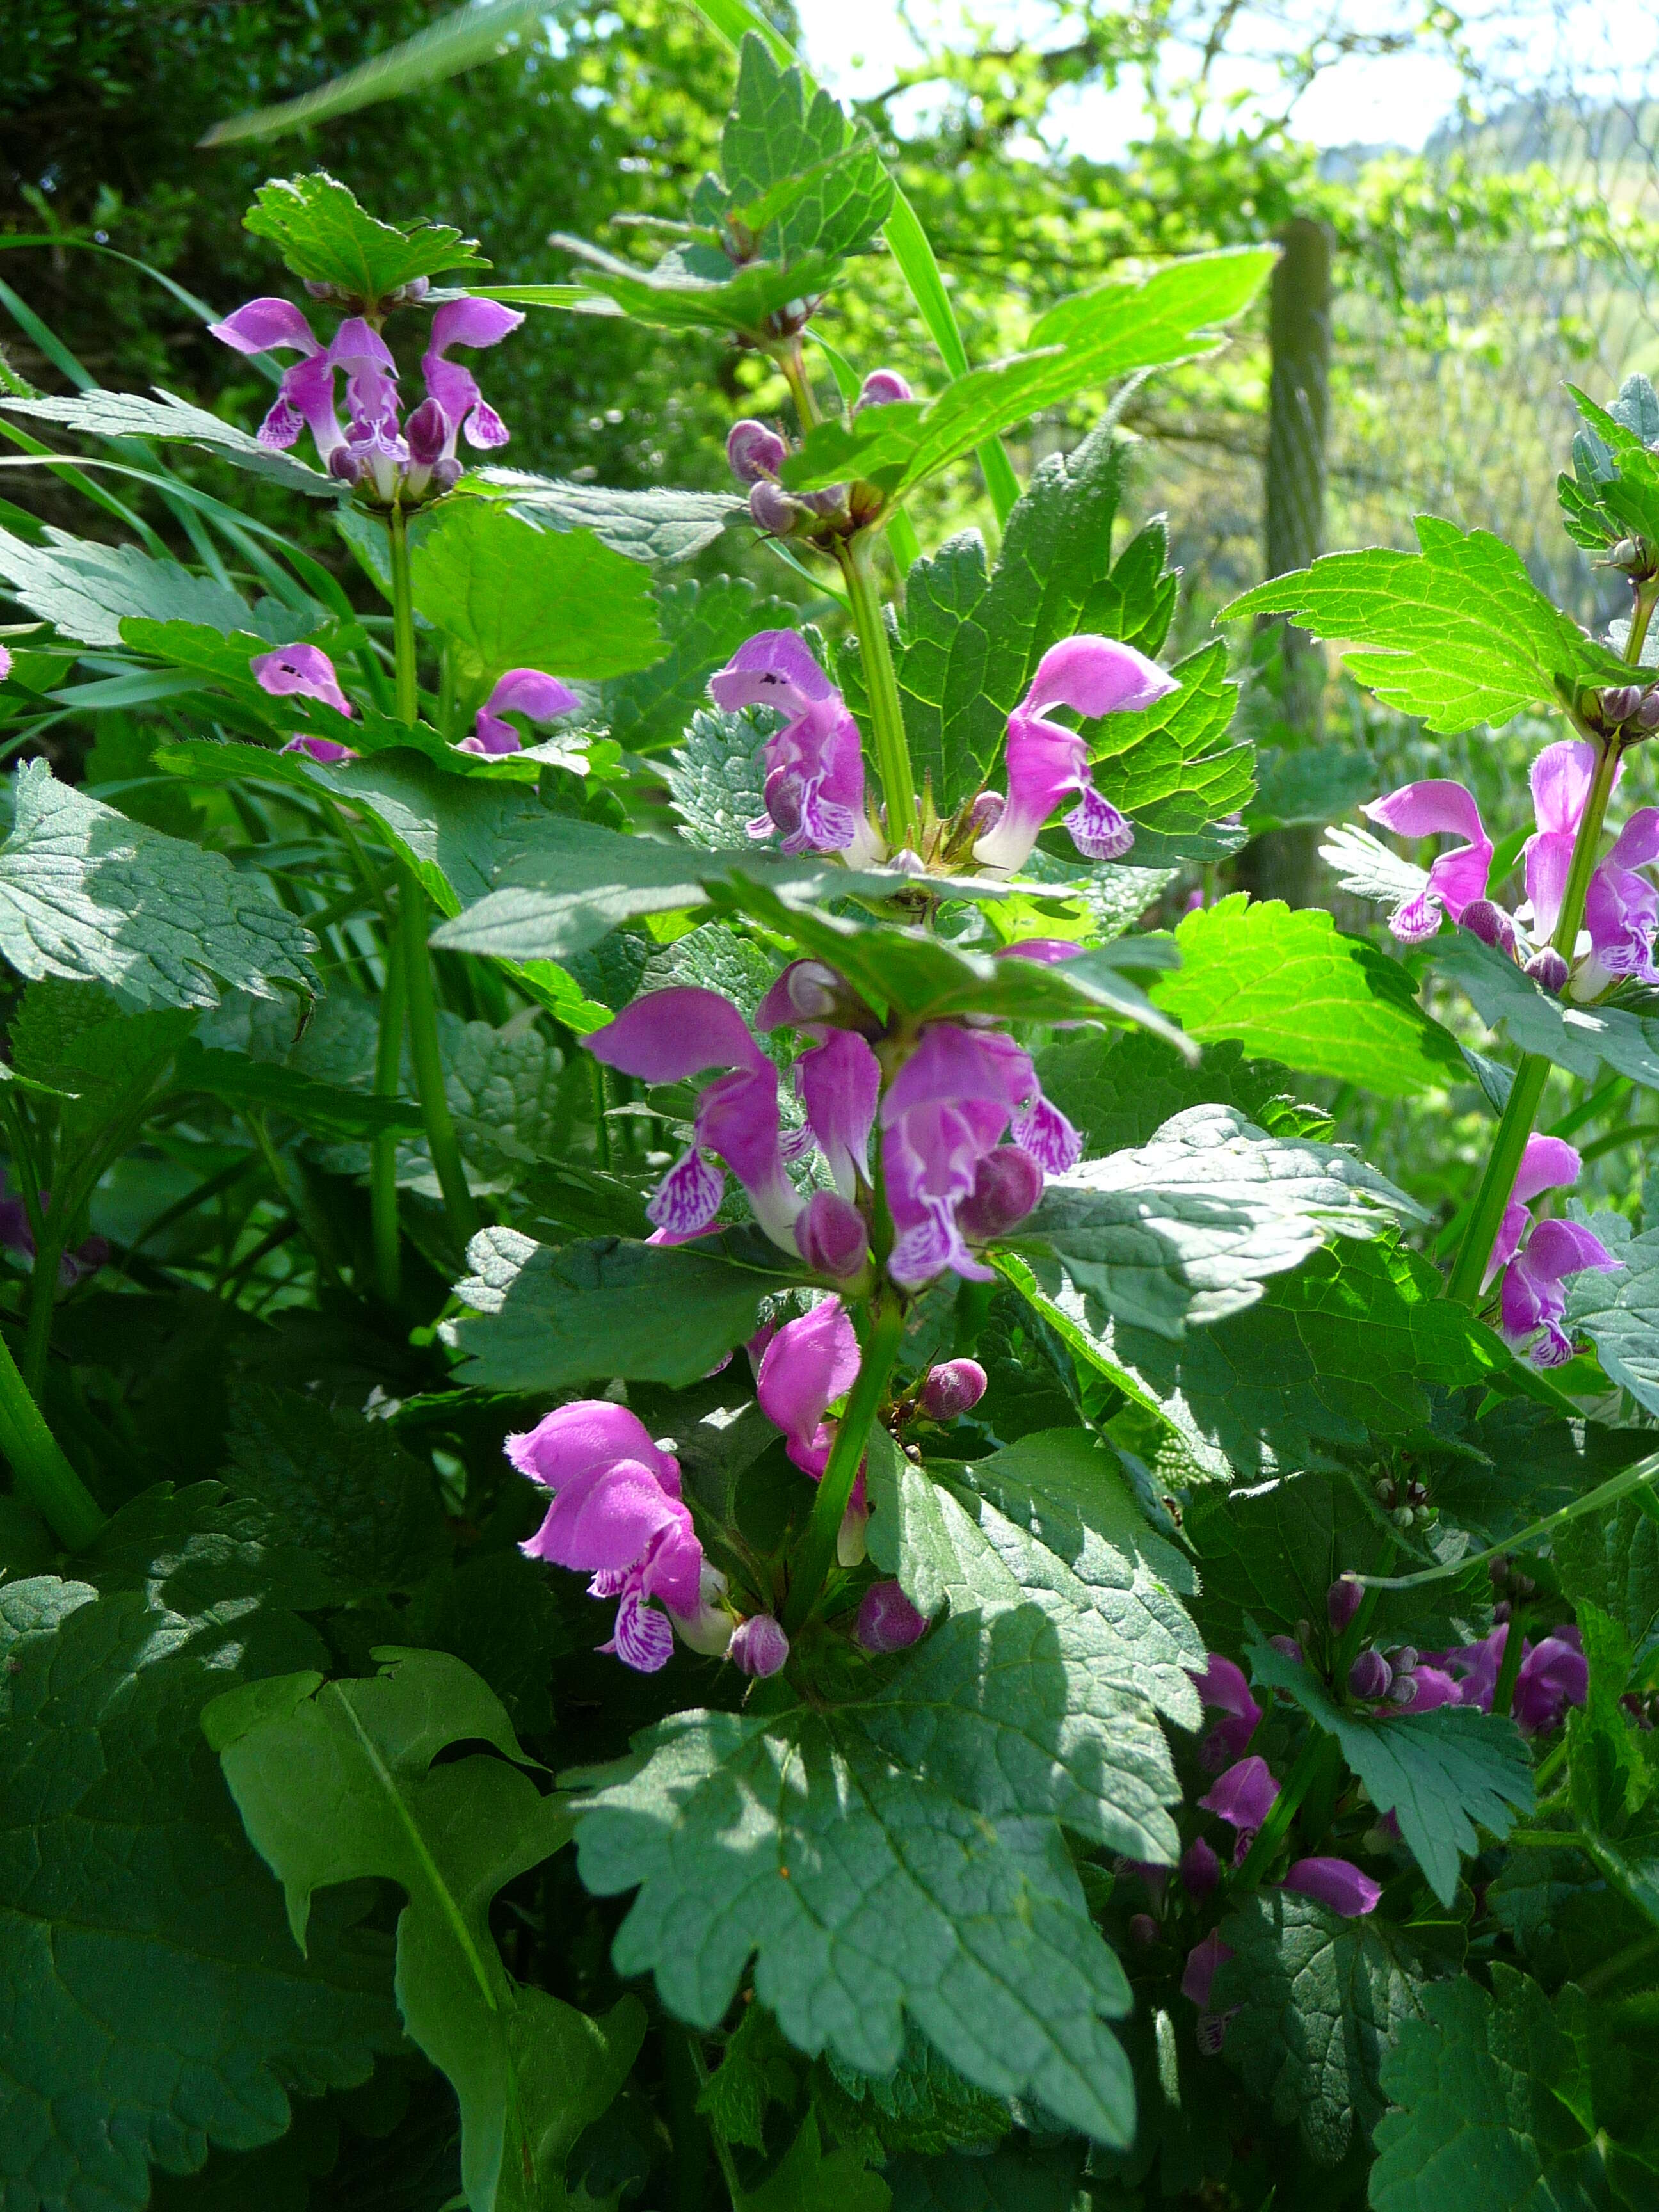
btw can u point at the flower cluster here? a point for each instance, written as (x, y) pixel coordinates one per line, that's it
(305, 671)
(815, 793)
(1554, 1675)
(967, 1136)
(757, 454)
(1621, 909)
(392, 459)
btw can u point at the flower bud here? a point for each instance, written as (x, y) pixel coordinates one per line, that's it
(830, 501)
(1548, 969)
(1342, 1601)
(1288, 1648)
(754, 451)
(1489, 923)
(830, 1235)
(1402, 1657)
(1008, 1185)
(426, 433)
(881, 388)
(773, 508)
(446, 475)
(1143, 1928)
(955, 1387)
(1369, 1676)
(1402, 1690)
(759, 1646)
(1628, 555)
(988, 810)
(1199, 1868)
(887, 1621)
(345, 466)
(320, 290)
(1647, 715)
(1620, 701)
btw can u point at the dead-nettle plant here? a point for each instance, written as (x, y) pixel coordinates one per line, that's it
(625, 1281)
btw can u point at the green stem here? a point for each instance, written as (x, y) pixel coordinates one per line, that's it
(1503, 1694)
(39, 1468)
(722, 2149)
(857, 557)
(1647, 598)
(792, 361)
(1468, 1271)
(1548, 1768)
(1621, 1963)
(816, 1549)
(403, 620)
(421, 1005)
(1309, 1764)
(383, 1157)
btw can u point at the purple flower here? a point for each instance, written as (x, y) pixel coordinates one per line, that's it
(1553, 1675)
(1370, 1677)
(883, 388)
(1342, 1601)
(524, 691)
(1560, 776)
(324, 751)
(669, 1036)
(815, 762)
(754, 452)
(1007, 1185)
(1199, 1868)
(305, 398)
(617, 1515)
(301, 670)
(1621, 911)
(759, 1646)
(808, 1365)
(807, 994)
(1048, 763)
(954, 1388)
(1243, 1795)
(371, 379)
(1457, 878)
(1485, 919)
(831, 1236)
(5, 663)
(1204, 1961)
(1050, 950)
(1223, 1687)
(839, 1082)
(1534, 1296)
(1546, 1164)
(1430, 1686)
(467, 322)
(887, 1621)
(1334, 1883)
(944, 1113)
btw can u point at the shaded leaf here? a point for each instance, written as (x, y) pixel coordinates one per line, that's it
(86, 589)
(1578, 1038)
(325, 237)
(131, 415)
(661, 523)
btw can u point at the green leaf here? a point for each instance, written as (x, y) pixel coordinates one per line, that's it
(453, 43)
(1118, 1089)
(149, 1977)
(894, 1854)
(516, 597)
(1456, 632)
(660, 523)
(325, 237)
(754, 2072)
(321, 1108)
(797, 150)
(1620, 1313)
(506, 1618)
(1289, 986)
(717, 777)
(1087, 340)
(1612, 1560)
(1578, 1038)
(924, 2105)
(87, 893)
(1017, 2178)
(807, 2179)
(336, 1782)
(338, 1488)
(1187, 1228)
(669, 298)
(1439, 1773)
(542, 1319)
(1611, 1781)
(131, 415)
(1168, 766)
(1320, 2001)
(1298, 789)
(702, 626)
(86, 589)
(1484, 2090)
(1628, 475)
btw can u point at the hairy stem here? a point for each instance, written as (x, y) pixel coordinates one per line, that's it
(403, 620)
(1468, 1271)
(39, 1468)
(816, 1549)
(383, 1158)
(857, 557)
(793, 363)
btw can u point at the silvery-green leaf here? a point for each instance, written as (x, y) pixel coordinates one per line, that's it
(659, 523)
(1369, 869)
(131, 415)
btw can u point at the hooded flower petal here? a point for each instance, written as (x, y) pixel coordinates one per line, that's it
(1547, 1164)
(1560, 778)
(324, 751)
(1335, 1883)
(371, 374)
(1553, 1675)
(467, 322)
(1243, 1797)
(1457, 878)
(1534, 1297)
(266, 325)
(808, 1365)
(840, 1081)
(524, 691)
(1204, 1961)
(815, 762)
(592, 1432)
(299, 671)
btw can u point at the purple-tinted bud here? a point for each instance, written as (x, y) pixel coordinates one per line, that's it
(773, 509)
(1489, 923)
(1402, 1691)
(1288, 1648)
(318, 289)
(1402, 1657)
(446, 475)
(887, 1621)
(1369, 1676)
(955, 1387)
(1620, 701)
(415, 291)
(988, 810)
(1342, 1601)
(829, 501)
(1007, 1186)
(345, 466)
(881, 388)
(426, 433)
(755, 452)
(1647, 715)
(1143, 1928)
(830, 1235)
(1548, 969)
(759, 1646)
(1199, 1868)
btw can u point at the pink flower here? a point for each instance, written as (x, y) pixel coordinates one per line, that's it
(1560, 776)
(759, 1646)
(1336, 1884)
(1204, 1961)
(1199, 1868)
(808, 1365)
(944, 1114)
(617, 1515)
(301, 671)
(1457, 878)
(1223, 1688)
(1621, 911)
(954, 1388)
(1534, 1294)
(305, 398)
(1553, 1675)
(467, 322)
(839, 1082)
(1546, 1164)
(1048, 763)
(669, 1036)
(1243, 1795)
(815, 762)
(831, 1236)
(524, 691)
(371, 377)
